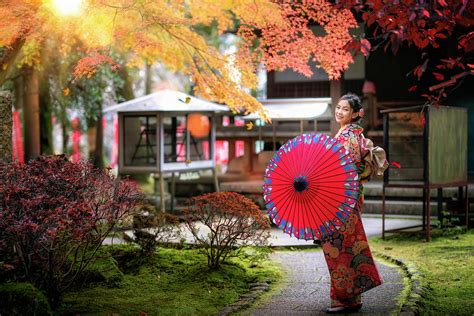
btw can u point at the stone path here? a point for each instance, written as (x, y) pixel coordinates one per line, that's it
(306, 289)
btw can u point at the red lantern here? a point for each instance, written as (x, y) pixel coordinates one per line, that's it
(198, 125)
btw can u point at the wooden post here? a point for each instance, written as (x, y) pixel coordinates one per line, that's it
(427, 214)
(423, 212)
(216, 181)
(162, 193)
(248, 151)
(173, 191)
(274, 135)
(335, 91)
(231, 150)
(466, 205)
(383, 211)
(440, 206)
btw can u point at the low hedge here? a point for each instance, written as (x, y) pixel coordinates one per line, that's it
(22, 299)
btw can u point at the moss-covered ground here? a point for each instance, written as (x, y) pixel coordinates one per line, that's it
(171, 282)
(447, 263)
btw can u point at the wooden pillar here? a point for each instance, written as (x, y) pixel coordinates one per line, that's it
(383, 211)
(466, 206)
(173, 191)
(274, 136)
(231, 149)
(162, 192)
(335, 90)
(440, 206)
(216, 181)
(423, 212)
(427, 214)
(248, 152)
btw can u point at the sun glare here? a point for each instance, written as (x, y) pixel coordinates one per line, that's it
(68, 7)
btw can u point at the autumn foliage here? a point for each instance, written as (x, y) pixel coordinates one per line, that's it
(54, 215)
(427, 26)
(279, 34)
(223, 222)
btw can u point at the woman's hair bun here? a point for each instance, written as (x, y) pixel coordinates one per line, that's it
(353, 100)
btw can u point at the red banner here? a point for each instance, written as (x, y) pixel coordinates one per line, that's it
(17, 139)
(76, 140)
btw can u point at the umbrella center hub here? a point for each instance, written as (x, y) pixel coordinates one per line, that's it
(300, 184)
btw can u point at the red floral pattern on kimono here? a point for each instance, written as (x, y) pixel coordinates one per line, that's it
(347, 253)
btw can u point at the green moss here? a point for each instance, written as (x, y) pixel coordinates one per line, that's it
(103, 269)
(172, 282)
(446, 263)
(22, 299)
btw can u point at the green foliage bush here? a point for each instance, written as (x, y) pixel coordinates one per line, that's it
(22, 299)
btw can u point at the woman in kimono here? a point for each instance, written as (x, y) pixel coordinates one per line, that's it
(347, 253)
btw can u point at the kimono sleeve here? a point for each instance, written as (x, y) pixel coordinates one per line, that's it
(351, 143)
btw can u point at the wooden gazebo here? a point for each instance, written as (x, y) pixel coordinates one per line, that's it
(166, 132)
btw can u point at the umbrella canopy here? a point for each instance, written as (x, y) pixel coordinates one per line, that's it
(311, 186)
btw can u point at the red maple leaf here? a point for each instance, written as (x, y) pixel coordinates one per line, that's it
(396, 164)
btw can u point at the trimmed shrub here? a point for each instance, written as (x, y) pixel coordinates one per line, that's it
(223, 222)
(22, 299)
(54, 216)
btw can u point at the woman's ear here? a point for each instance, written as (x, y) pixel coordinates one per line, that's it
(355, 115)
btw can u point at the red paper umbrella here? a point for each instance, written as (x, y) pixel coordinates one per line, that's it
(311, 186)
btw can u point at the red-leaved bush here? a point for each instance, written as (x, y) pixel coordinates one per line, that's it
(223, 222)
(54, 215)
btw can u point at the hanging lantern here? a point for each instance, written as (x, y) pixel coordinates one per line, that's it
(198, 125)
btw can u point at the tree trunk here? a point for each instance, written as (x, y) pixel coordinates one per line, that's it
(148, 78)
(5, 127)
(46, 125)
(65, 137)
(19, 93)
(99, 147)
(31, 114)
(126, 91)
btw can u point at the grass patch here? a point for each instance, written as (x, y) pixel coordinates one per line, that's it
(172, 282)
(447, 263)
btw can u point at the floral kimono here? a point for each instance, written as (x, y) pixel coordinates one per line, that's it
(347, 253)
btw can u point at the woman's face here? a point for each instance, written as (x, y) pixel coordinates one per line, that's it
(344, 113)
